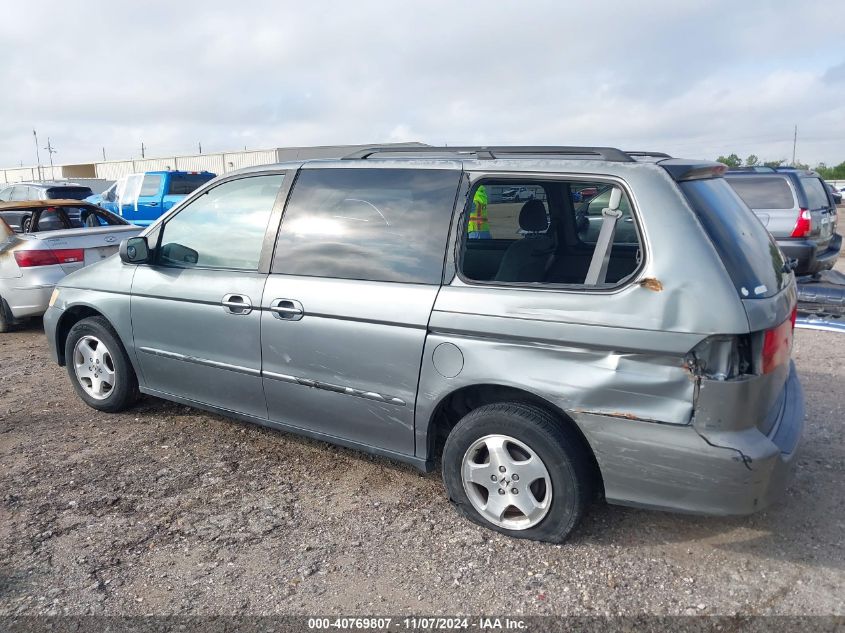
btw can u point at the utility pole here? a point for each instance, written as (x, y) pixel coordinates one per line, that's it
(51, 150)
(37, 154)
(199, 146)
(104, 153)
(794, 143)
(143, 149)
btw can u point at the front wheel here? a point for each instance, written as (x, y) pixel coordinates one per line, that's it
(99, 367)
(518, 470)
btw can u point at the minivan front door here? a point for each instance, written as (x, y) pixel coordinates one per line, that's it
(196, 311)
(357, 267)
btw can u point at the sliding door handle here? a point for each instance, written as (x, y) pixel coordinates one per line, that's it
(287, 309)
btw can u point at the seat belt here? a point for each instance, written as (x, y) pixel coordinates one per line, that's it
(601, 256)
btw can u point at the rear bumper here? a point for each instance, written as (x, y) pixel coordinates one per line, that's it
(678, 468)
(29, 294)
(809, 260)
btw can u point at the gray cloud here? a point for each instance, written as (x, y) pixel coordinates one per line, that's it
(697, 77)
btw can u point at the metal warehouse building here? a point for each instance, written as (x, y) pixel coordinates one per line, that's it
(219, 163)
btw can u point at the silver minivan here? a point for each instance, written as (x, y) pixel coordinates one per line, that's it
(542, 352)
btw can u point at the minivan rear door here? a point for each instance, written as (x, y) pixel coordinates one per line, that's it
(357, 267)
(822, 209)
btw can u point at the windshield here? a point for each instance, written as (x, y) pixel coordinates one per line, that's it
(750, 255)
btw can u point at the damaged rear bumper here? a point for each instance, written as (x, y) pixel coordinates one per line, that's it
(684, 469)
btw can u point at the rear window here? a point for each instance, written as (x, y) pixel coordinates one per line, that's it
(69, 193)
(816, 195)
(749, 254)
(764, 193)
(183, 184)
(90, 217)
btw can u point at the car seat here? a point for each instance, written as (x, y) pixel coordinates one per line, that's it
(528, 259)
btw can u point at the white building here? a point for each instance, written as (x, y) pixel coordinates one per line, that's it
(218, 163)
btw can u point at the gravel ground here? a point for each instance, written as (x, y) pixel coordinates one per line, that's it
(168, 510)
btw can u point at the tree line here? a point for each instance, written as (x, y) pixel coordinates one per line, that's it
(828, 173)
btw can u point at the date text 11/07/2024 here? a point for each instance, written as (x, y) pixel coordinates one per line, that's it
(417, 623)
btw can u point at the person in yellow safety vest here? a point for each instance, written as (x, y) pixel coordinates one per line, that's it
(478, 227)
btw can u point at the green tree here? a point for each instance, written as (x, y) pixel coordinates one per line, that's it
(752, 160)
(774, 163)
(732, 160)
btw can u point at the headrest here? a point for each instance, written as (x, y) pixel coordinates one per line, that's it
(532, 216)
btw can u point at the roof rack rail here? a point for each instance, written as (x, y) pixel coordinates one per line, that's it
(491, 152)
(649, 154)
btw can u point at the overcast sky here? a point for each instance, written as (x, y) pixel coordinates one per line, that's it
(691, 77)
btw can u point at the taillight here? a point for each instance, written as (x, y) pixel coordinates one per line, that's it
(803, 224)
(777, 344)
(28, 259)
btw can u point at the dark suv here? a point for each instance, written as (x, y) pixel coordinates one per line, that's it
(797, 209)
(25, 191)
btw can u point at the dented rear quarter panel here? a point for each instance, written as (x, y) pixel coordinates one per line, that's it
(620, 353)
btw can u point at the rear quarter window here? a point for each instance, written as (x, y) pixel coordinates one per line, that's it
(747, 250)
(764, 193)
(816, 195)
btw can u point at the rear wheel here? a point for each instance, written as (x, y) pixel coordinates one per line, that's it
(518, 470)
(7, 321)
(99, 367)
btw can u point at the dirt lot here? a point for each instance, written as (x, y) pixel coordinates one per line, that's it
(168, 510)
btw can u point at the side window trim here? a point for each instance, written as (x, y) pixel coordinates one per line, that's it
(266, 255)
(459, 241)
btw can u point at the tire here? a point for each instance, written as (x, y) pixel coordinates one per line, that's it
(26, 224)
(7, 321)
(531, 432)
(98, 366)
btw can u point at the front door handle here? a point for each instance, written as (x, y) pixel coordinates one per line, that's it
(287, 309)
(236, 304)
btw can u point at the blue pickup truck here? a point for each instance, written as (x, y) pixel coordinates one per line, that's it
(142, 198)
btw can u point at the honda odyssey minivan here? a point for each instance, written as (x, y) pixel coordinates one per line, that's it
(642, 357)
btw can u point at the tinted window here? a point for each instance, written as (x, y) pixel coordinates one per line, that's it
(151, 185)
(748, 252)
(816, 195)
(764, 193)
(183, 184)
(224, 227)
(68, 193)
(6, 194)
(512, 238)
(373, 224)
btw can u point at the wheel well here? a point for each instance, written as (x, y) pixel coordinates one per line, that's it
(458, 403)
(71, 317)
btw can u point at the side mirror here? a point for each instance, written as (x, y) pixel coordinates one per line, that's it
(134, 251)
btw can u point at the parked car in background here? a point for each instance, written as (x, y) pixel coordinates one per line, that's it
(61, 236)
(797, 209)
(835, 193)
(348, 301)
(142, 198)
(59, 190)
(518, 194)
